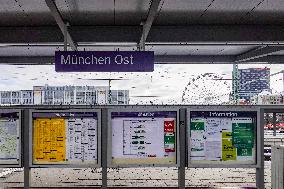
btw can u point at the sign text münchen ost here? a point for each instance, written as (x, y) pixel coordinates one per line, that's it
(104, 61)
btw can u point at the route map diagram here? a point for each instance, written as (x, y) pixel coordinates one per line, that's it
(144, 137)
(9, 140)
(140, 138)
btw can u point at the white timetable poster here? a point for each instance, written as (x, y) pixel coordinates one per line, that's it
(81, 139)
(143, 137)
(9, 138)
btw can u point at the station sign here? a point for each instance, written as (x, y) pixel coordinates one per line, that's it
(104, 61)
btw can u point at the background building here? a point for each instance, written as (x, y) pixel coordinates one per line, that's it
(65, 95)
(16, 97)
(251, 82)
(266, 97)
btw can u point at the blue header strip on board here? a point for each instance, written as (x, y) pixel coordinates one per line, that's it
(229, 114)
(64, 114)
(165, 114)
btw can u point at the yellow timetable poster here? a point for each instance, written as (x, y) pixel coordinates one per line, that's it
(49, 140)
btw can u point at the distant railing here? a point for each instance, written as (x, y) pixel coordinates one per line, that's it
(269, 133)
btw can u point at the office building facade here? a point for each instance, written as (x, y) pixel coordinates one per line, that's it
(65, 95)
(252, 81)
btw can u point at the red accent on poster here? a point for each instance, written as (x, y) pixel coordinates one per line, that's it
(169, 150)
(169, 126)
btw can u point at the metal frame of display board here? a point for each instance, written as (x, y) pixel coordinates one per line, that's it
(65, 165)
(271, 109)
(142, 109)
(258, 139)
(20, 139)
(103, 121)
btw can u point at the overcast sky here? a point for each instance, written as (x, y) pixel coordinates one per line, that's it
(168, 83)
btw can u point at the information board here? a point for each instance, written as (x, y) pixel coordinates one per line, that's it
(222, 137)
(144, 138)
(65, 137)
(10, 138)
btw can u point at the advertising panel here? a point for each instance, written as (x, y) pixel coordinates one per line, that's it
(144, 138)
(10, 139)
(65, 137)
(222, 137)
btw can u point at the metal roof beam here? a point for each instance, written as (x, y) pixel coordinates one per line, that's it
(147, 25)
(193, 59)
(258, 53)
(270, 59)
(27, 60)
(159, 59)
(193, 34)
(59, 20)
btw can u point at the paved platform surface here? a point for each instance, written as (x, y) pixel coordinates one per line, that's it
(139, 177)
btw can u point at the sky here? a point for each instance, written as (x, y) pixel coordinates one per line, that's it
(168, 84)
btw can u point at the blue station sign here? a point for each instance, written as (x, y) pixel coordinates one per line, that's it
(104, 61)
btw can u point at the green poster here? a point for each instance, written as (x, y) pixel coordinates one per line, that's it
(194, 125)
(169, 139)
(244, 151)
(243, 135)
(228, 150)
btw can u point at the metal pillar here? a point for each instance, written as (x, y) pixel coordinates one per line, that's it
(65, 37)
(260, 170)
(27, 170)
(109, 91)
(235, 83)
(104, 147)
(274, 123)
(153, 10)
(59, 20)
(283, 79)
(143, 39)
(182, 146)
(277, 167)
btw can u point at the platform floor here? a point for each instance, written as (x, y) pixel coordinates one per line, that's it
(139, 177)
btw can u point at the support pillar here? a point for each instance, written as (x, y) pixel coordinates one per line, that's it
(182, 146)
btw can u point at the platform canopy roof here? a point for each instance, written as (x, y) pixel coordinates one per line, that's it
(178, 31)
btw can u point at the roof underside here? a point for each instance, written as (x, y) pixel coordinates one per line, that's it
(133, 12)
(185, 28)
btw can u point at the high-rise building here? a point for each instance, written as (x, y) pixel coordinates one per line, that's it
(65, 95)
(251, 82)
